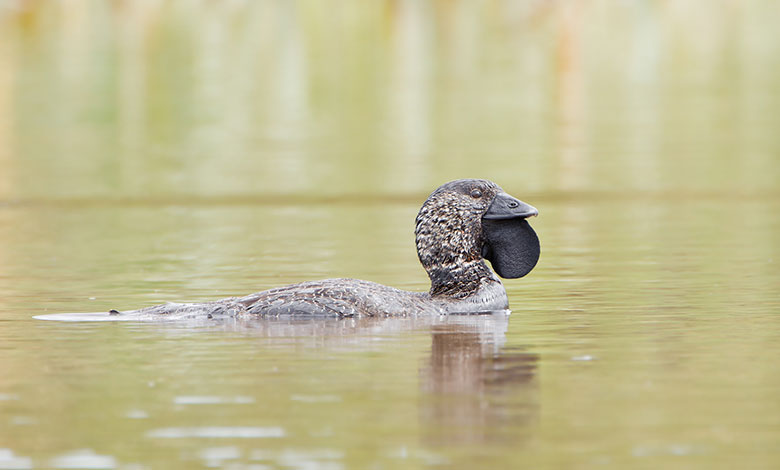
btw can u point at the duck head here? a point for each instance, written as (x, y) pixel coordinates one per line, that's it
(464, 222)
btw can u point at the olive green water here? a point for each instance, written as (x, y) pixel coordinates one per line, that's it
(174, 151)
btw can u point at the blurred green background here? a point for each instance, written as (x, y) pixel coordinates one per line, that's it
(157, 151)
(247, 99)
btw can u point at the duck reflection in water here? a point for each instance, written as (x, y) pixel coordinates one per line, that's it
(475, 389)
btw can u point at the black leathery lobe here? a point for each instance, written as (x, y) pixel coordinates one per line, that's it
(511, 246)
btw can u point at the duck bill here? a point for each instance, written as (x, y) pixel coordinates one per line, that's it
(505, 206)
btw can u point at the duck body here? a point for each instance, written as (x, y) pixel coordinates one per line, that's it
(341, 297)
(459, 226)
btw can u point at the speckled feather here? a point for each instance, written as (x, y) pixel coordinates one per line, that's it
(449, 238)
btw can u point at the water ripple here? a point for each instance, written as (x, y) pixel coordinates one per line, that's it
(83, 458)
(212, 400)
(219, 432)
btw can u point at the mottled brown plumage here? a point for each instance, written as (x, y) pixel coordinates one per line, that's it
(448, 236)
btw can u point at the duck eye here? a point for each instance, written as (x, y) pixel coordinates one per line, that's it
(476, 193)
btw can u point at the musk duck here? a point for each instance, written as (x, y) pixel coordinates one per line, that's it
(460, 225)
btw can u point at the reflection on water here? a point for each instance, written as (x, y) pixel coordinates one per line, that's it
(472, 390)
(475, 390)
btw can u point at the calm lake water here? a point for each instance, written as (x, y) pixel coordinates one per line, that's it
(187, 151)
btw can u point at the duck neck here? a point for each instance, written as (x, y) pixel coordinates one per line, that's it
(452, 258)
(459, 281)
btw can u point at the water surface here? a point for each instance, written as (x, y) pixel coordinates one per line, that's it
(187, 151)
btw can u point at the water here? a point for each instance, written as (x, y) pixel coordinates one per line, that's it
(187, 151)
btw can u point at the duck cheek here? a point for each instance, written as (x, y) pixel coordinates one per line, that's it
(511, 246)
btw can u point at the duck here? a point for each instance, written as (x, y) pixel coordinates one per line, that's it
(461, 225)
